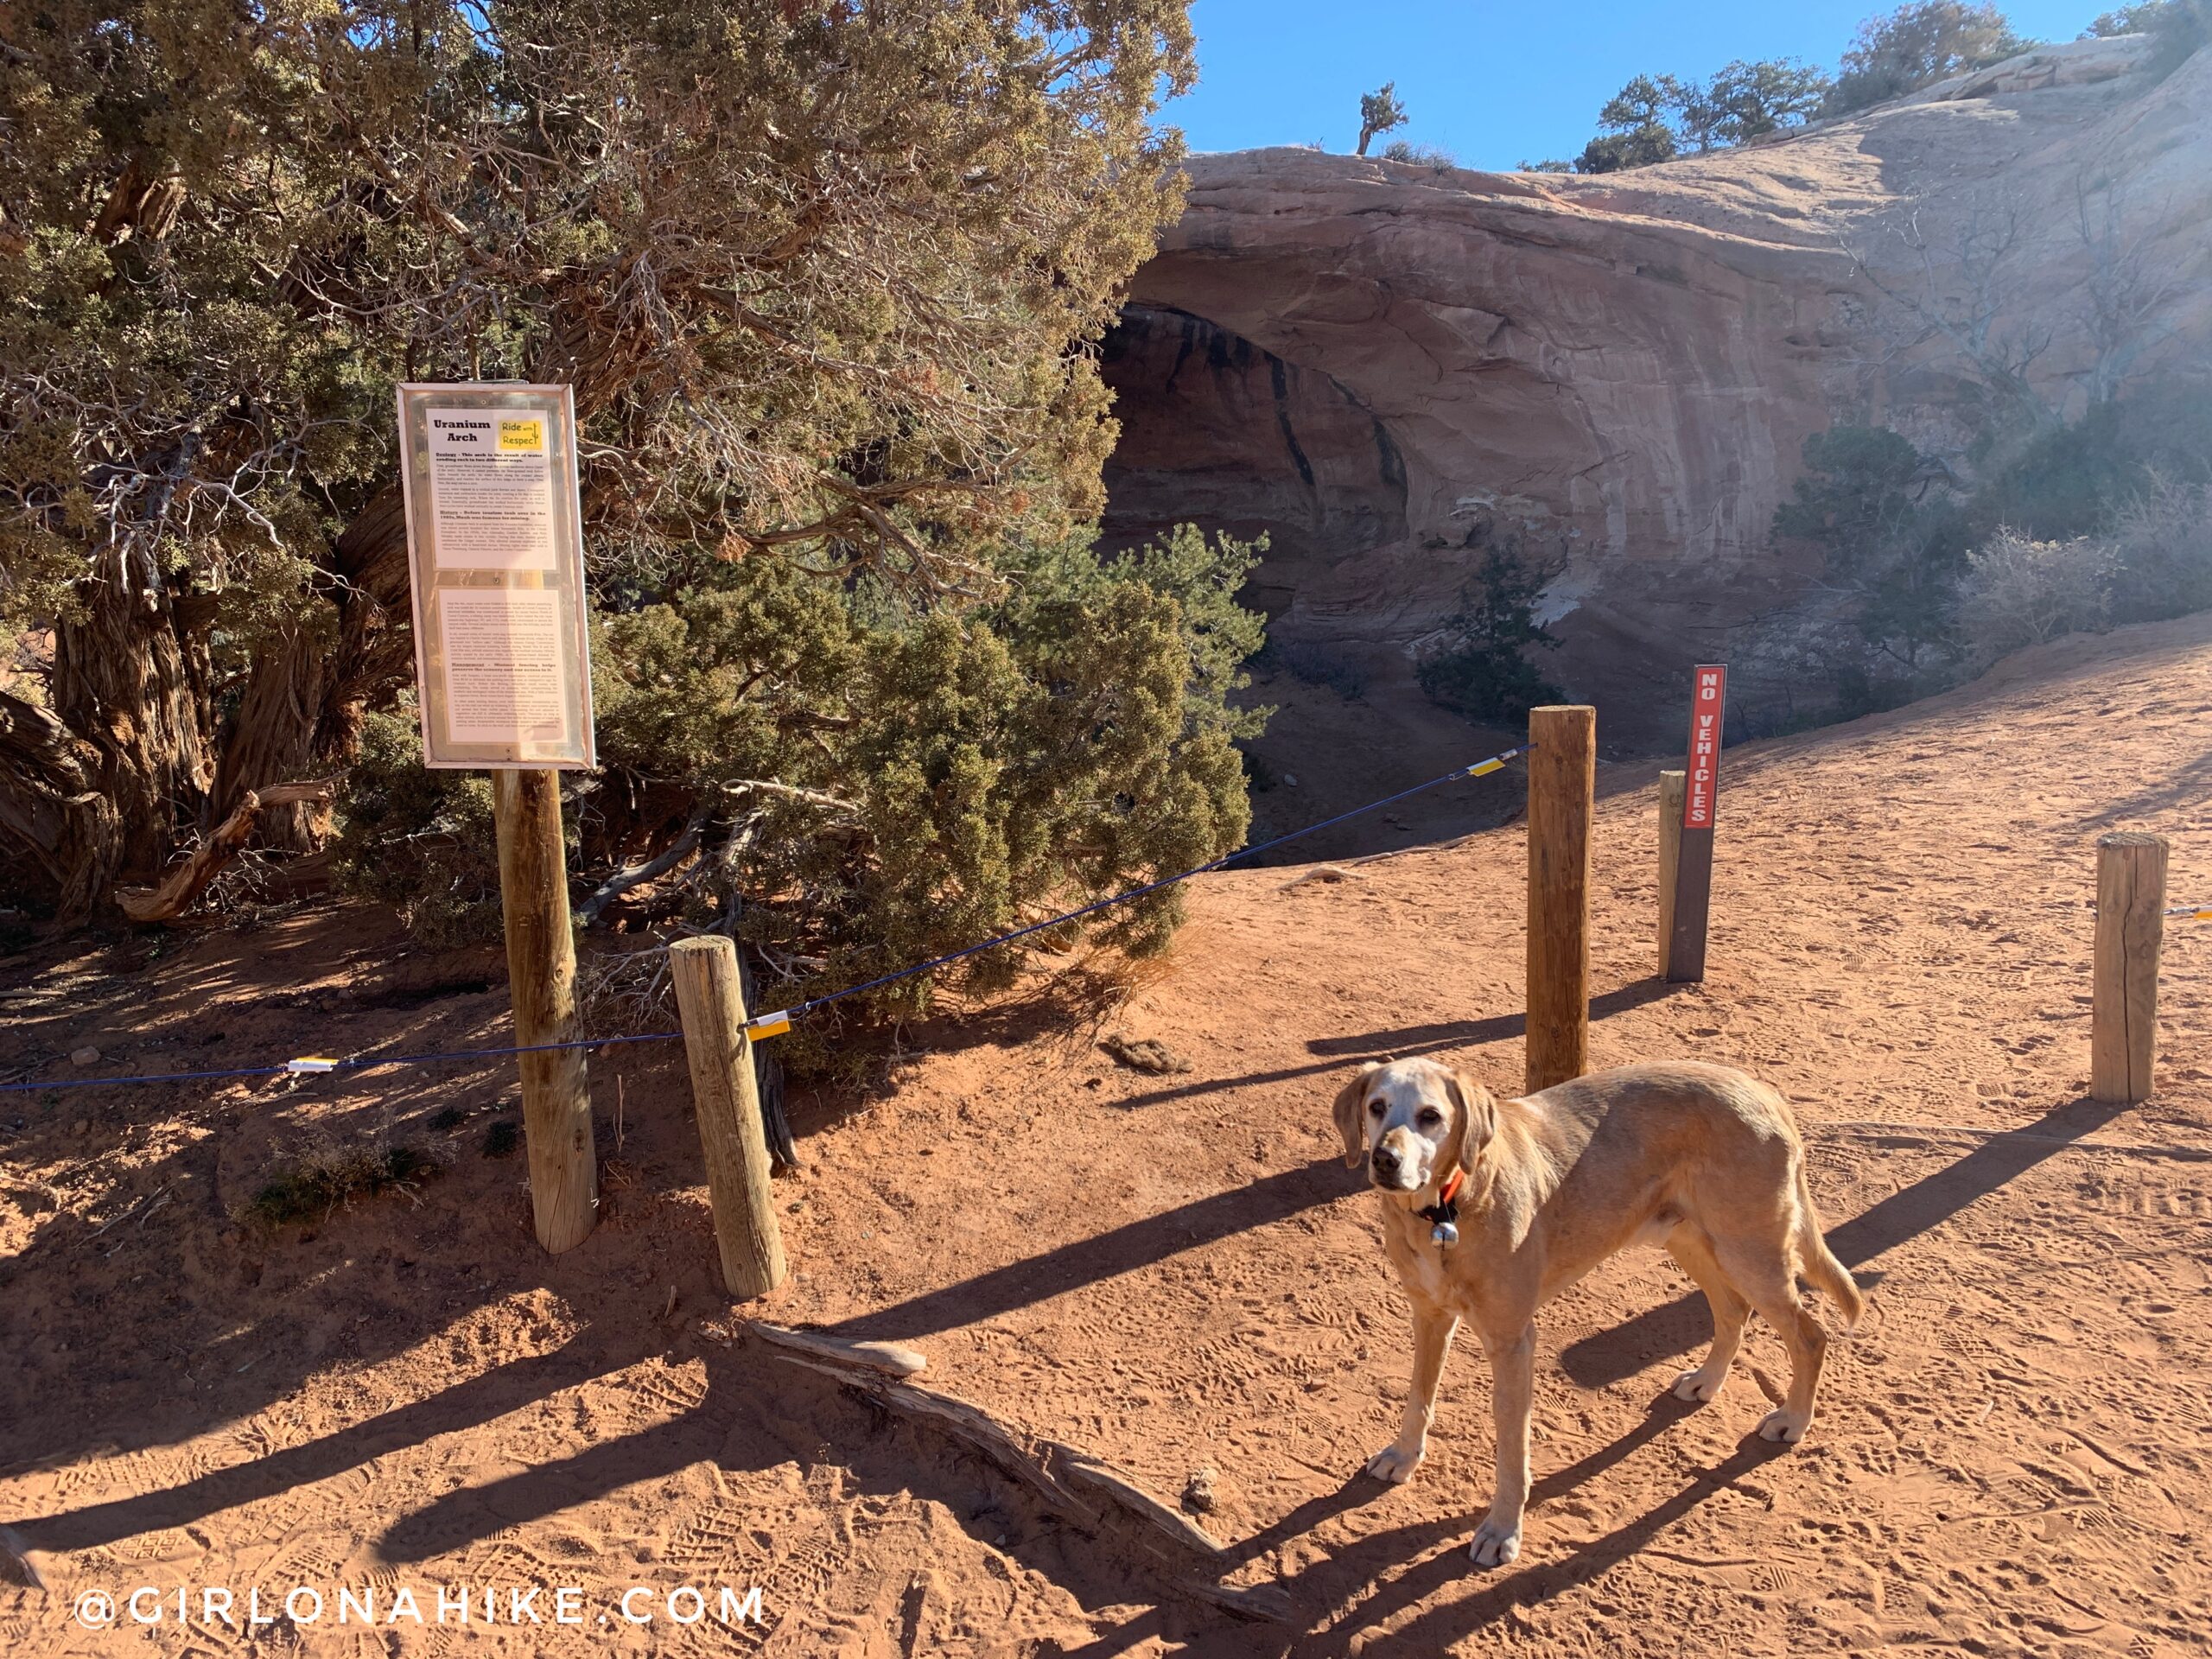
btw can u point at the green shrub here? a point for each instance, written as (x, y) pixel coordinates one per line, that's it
(2075, 480)
(420, 841)
(1311, 665)
(872, 783)
(1482, 669)
(1887, 530)
(2177, 29)
(1916, 46)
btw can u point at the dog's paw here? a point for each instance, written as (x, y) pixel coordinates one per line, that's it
(1783, 1427)
(1496, 1542)
(1696, 1386)
(1395, 1464)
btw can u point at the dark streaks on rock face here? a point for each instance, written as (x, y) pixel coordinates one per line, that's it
(1217, 430)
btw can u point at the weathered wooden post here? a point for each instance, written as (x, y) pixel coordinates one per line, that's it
(1562, 787)
(542, 974)
(711, 1000)
(2124, 1002)
(1672, 788)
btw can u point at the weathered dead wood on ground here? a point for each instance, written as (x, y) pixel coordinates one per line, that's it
(1049, 1468)
(189, 880)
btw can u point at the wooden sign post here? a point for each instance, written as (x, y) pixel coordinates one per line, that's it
(502, 679)
(1562, 787)
(1692, 881)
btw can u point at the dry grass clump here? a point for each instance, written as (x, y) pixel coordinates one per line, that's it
(327, 1176)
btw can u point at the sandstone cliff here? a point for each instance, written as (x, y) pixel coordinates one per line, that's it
(1381, 362)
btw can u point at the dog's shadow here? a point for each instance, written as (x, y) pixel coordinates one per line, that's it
(1540, 1574)
(1663, 1413)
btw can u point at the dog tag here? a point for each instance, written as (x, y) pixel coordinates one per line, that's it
(1444, 1234)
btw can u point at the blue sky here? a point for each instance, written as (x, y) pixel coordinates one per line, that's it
(1490, 82)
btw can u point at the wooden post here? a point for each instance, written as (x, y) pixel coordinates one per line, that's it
(2123, 1004)
(1673, 786)
(1684, 961)
(542, 978)
(1562, 784)
(711, 1000)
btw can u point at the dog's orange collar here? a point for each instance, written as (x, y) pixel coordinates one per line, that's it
(1443, 1216)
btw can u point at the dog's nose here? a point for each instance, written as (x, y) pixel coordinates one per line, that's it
(1385, 1160)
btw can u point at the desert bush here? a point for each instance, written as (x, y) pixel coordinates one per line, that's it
(2017, 592)
(2078, 480)
(329, 1175)
(1398, 150)
(1888, 532)
(1482, 669)
(1916, 46)
(2162, 551)
(2177, 29)
(417, 839)
(868, 782)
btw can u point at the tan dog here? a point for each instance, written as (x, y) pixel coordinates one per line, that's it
(1700, 1159)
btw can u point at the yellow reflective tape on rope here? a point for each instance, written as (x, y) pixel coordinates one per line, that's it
(1483, 768)
(769, 1024)
(2191, 913)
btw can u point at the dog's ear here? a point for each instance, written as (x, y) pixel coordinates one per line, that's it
(1348, 1124)
(1478, 1117)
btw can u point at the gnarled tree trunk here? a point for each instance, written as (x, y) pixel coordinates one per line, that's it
(274, 735)
(301, 713)
(131, 683)
(50, 810)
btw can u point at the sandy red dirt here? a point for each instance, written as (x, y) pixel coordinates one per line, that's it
(1176, 1271)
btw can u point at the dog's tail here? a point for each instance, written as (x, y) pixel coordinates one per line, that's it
(1818, 1262)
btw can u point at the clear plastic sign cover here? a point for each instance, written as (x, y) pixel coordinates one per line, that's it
(495, 549)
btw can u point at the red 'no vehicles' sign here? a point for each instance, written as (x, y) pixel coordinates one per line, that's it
(1708, 696)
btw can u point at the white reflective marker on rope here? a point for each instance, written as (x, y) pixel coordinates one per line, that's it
(769, 1025)
(311, 1063)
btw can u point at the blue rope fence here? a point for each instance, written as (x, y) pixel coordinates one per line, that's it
(770, 1025)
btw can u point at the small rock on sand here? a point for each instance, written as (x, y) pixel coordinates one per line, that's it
(85, 1056)
(1199, 1496)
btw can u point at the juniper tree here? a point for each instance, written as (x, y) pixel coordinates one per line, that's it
(823, 278)
(1379, 112)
